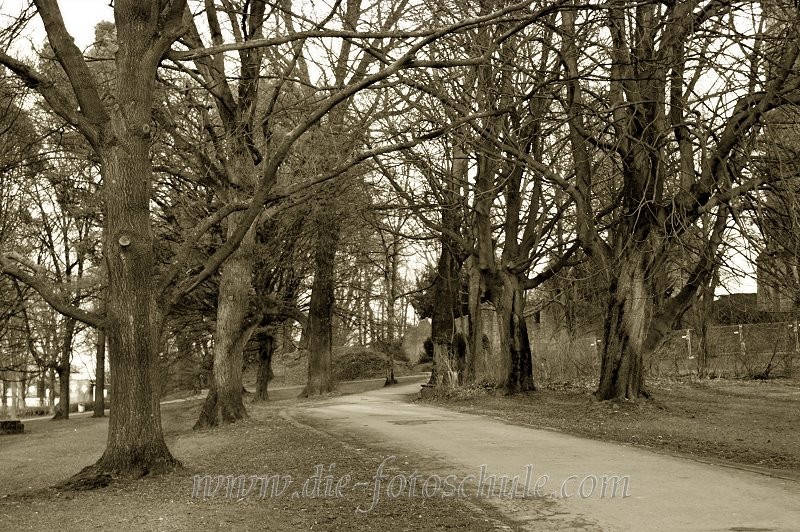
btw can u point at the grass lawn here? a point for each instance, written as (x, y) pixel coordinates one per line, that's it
(751, 423)
(268, 443)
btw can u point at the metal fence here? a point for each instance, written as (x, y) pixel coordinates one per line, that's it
(745, 350)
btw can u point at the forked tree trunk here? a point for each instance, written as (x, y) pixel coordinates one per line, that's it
(515, 345)
(100, 375)
(320, 314)
(627, 323)
(63, 370)
(264, 374)
(224, 403)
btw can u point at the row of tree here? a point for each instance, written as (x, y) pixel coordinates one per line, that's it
(214, 170)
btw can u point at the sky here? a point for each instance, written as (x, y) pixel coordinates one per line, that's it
(80, 17)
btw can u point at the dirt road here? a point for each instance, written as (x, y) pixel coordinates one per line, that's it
(563, 475)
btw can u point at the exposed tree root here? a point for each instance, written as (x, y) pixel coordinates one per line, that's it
(101, 475)
(88, 479)
(217, 411)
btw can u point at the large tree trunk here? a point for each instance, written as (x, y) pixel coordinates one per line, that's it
(134, 320)
(264, 374)
(224, 402)
(516, 357)
(62, 408)
(485, 363)
(446, 299)
(63, 370)
(390, 378)
(476, 355)
(320, 314)
(627, 324)
(100, 375)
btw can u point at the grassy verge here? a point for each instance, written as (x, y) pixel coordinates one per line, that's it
(753, 423)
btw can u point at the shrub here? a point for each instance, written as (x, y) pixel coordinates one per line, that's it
(33, 411)
(353, 363)
(392, 348)
(427, 346)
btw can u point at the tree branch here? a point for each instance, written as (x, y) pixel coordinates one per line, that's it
(8, 266)
(58, 101)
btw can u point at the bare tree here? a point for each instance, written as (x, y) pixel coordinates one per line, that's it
(118, 126)
(669, 152)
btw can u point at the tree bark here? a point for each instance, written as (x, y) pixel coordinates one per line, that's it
(390, 278)
(134, 321)
(264, 374)
(627, 323)
(320, 314)
(225, 405)
(63, 370)
(515, 345)
(51, 386)
(476, 355)
(100, 375)
(23, 390)
(390, 379)
(62, 408)
(446, 298)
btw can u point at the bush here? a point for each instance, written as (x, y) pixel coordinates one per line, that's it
(353, 363)
(392, 348)
(427, 346)
(33, 411)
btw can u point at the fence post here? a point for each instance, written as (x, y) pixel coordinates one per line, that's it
(743, 348)
(790, 366)
(689, 342)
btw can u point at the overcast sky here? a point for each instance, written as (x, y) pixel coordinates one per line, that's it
(80, 16)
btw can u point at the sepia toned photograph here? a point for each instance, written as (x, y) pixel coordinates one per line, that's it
(401, 265)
